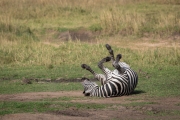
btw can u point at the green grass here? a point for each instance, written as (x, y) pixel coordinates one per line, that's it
(164, 113)
(18, 72)
(11, 87)
(18, 107)
(135, 104)
(44, 106)
(153, 82)
(161, 83)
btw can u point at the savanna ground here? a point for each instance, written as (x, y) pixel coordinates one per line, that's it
(43, 43)
(126, 107)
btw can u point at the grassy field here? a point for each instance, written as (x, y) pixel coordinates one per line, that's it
(145, 32)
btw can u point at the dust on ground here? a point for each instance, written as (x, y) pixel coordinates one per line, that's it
(157, 107)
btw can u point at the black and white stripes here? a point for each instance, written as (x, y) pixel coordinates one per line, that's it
(121, 81)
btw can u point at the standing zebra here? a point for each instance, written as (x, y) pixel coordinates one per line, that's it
(119, 82)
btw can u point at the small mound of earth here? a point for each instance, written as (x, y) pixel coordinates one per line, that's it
(39, 116)
(58, 80)
(82, 35)
(72, 112)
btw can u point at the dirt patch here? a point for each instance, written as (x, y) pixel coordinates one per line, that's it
(159, 44)
(73, 112)
(159, 108)
(102, 114)
(77, 95)
(82, 35)
(37, 116)
(39, 95)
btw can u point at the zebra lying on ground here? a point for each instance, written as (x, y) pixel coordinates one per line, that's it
(121, 81)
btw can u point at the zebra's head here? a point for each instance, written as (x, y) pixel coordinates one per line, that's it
(88, 86)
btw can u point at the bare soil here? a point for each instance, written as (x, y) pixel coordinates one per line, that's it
(161, 108)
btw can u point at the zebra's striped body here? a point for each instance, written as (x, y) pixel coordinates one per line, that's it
(115, 85)
(121, 81)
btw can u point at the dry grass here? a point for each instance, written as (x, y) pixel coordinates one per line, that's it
(124, 17)
(24, 25)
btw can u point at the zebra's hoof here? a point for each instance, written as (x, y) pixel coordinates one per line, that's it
(108, 59)
(119, 56)
(84, 66)
(108, 46)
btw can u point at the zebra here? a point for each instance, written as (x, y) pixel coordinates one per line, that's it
(121, 81)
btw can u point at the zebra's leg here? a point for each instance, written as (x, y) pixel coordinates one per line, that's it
(106, 71)
(116, 64)
(100, 77)
(84, 66)
(106, 59)
(110, 52)
(122, 64)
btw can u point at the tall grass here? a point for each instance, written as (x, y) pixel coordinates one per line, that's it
(24, 25)
(157, 17)
(125, 23)
(139, 21)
